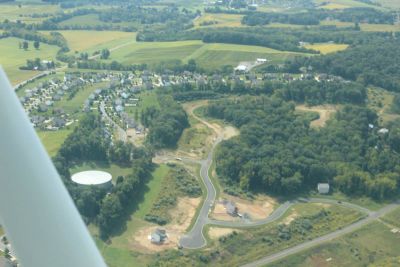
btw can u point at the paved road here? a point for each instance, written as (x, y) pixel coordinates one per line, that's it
(348, 229)
(195, 238)
(121, 132)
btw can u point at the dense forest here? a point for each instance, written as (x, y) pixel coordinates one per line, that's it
(90, 142)
(165, 124)
(375, 63)
(278, 152)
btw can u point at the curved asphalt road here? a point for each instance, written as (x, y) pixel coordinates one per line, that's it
(195, 238)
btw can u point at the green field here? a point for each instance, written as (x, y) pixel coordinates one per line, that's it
(90, 41)
(153, 188)
(52, 141)
(146, 99)
(326, 48)
(13, 12)
(207, 55)
(373, 245)
(223, 20)
(11, 57)
(342, 4)
(393, 218)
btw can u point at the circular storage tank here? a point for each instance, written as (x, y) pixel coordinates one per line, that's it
(93, 178)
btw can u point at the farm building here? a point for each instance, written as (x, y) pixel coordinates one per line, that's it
(93, 178)
(242, 68)
(261, 60)
(323, 188)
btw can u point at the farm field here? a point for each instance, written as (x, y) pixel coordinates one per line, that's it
(13, 12)
(52, 140)
(11, 57)
(390, 3)
(90, 41)
(372, 245)
(342, 4)
(364, 26)
(326, 48)
(223, 20)
(206, 55)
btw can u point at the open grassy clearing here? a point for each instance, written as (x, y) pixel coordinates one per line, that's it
(364, 26)
(113, 169)
(326, 48)
(75, 104)
(393, 218)
(52, 140)
(206, 55)
(324, 112)
(372, 245)
(153, 190)
(11, 57)
(223, 20)
(90, 41)
(381, 101)
(147, 99)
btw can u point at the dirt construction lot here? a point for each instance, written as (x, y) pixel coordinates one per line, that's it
(182, 216)
(259, 208)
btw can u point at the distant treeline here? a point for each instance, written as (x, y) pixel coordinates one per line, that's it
(374, 63)
(314, 16)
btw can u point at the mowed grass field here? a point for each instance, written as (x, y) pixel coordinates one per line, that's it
(326, 48)
(364, 26)
(11, 57)
(210, 56)
(372, 245)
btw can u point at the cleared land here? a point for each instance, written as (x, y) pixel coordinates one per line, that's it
(326, 48)
(11, 57)
(393, 218)
(373, 245)
(381, 101)
(325, 112)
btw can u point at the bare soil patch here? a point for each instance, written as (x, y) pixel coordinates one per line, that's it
(325, 112)
(290, 218)
(259, 208)
(217, 232)
(182, 216)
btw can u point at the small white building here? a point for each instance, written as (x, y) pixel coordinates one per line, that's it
(323, 188)
(261, 60)
(241, 67)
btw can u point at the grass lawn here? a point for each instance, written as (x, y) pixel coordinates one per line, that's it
(11, 57)
(394, 4)
(326, 48)
(380, 101)
(372, 245)
(52, 140)
(153, 189)
(113, 169)
(91, 41)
